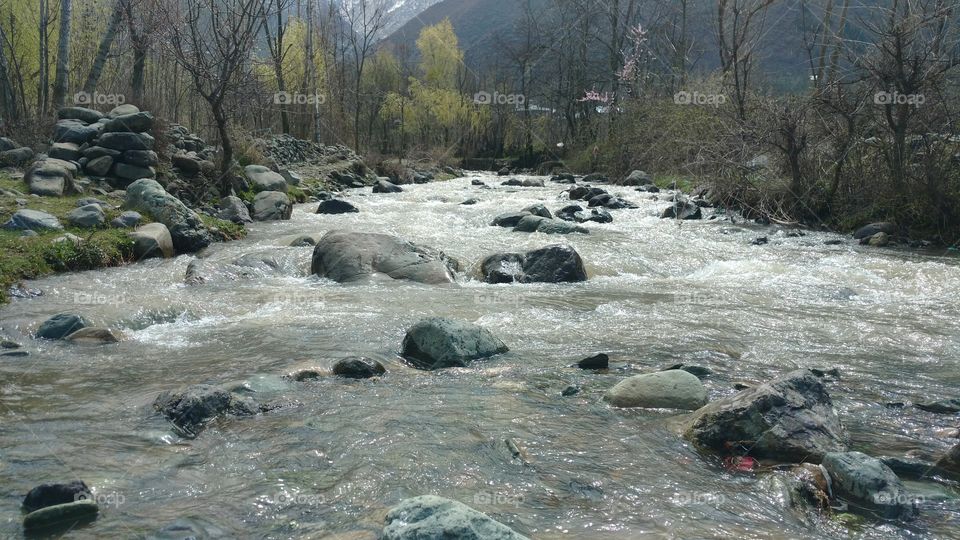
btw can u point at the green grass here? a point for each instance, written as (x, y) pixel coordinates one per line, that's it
(31, 257)
(666, 181)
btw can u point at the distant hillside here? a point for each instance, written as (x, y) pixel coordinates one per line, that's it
(484, 25)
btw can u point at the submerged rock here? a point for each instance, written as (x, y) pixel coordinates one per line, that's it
(674, 389)
(437, 343)
(943, 406)
(867, 484)
(61, 516)
(93, 336)
(336, 206)
(550, 264)
(349, 256)
(790, 418)
(192, 408)
(429, 517)
(61, 325)
(597, 361)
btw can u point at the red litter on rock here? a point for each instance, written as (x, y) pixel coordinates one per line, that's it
(742, 464)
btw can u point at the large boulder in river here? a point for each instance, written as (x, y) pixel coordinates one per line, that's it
(152, 240)
(429, 517)
(336, 206)
(61, 325)
(272, 206)
(674, 389)
(186, 228)
(383, 186)
(551, 264)
(790, 419)
(682, 209)
(349, 256)
(191, 408)
(637, 178)
(867, 483)
(437, 343)
(263, 179)
(46, 495)
(232, 209)
(32, 220)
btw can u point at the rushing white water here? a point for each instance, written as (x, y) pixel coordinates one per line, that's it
(660, 292)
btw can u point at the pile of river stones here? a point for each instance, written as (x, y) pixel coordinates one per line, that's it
(789, 420)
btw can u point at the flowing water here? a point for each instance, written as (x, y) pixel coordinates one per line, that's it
(660, 293)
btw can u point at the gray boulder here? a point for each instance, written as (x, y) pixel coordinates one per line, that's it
(123, 110)
(122, 141)
(790, 418)
(186, 228)
(99, 166)
(551, 264)
(125, 171)
(93, 336)
(88, 216)
(263, 179)
(95, 152)
(46, 495)
(348, 256)
(49, 179)
(358, 368)
(87, 116)
(33, 220)
(637, 178)
(61, 325)
(73, 131)
(234, 210)
(188, 164)
(437, 343)
(126, 220)
(65, 151)
(531, 223)
(152, 240)
(15, 157)
(509, 219)
(134, 122)
(675, 389)
(60, 517)
(538, 210)
(866, 483)
(429, 517)
(7, 144)
(192, 408)
(272, 206)
(140, 158)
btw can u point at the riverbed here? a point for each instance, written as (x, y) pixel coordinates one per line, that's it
(341, 452)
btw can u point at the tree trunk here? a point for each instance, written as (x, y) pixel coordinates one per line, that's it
(43, 83)
(227, 158)
(8, 102)
(63, 56)
(90, 85)
(136, 77)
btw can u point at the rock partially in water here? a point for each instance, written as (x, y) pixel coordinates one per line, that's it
(152, 240)
(383, 186)
(93, 336)
(675, 389)
(538, 210)
(46, 495)
(336, 206)
(684, 210)
(550, 264)
(637, 178)
(873, 229)
(358, 368)
(530, 223)
(529, 182)
(509, 220)
(350, 256)
(881, 239)
(272, 206)
(61, 516)
(597, 361)
(61, 325)
(867, 484)
(234, 210)
(429, 517)
(698, 371)
(192, 408)
(437, 343)
(790, 418)
(187, 230)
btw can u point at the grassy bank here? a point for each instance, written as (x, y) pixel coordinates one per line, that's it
(50, 252)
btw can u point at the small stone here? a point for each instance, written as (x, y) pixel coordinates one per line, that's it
(599, 361)
(93, 336)
(358, 368)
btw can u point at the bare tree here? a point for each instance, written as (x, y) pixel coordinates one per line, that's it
(739, 25)
(212, 41)
(278, 52)
(106, 42)
(63, 55)
(365, 19)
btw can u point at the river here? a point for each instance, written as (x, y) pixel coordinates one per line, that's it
(660, 292)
